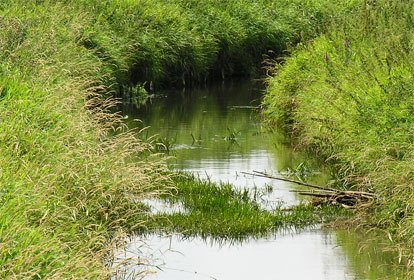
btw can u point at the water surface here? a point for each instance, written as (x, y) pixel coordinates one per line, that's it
(217, 133)
(310, 254)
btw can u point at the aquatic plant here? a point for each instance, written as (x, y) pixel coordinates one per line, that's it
(163, 144)
(301, 171)
(232, 135)
(135, 94)
(219, 210)
(195, 140)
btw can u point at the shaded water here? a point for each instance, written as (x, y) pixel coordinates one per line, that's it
(216, 133)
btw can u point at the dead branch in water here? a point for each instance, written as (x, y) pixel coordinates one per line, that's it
(324, 195)
(262, 174)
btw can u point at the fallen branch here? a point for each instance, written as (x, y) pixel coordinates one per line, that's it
(343, 198)
(262, 174)
(347, 199)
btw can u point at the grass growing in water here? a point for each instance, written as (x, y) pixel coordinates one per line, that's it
(219, 210)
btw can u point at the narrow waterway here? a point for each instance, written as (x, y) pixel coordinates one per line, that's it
(216, 133)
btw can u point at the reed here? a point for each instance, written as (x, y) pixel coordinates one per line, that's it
(348, 97)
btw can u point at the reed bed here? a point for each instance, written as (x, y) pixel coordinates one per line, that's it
(348, 97)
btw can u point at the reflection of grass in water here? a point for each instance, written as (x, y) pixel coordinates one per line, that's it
(232, 135)
(301, 171)
(367, 257)
(219, 210)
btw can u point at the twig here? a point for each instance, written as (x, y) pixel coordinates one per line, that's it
(347, 199)
(262, 174)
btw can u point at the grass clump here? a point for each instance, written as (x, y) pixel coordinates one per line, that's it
(348, 96)
(219, 210)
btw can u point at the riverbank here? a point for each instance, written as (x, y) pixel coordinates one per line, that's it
(67, 184)
(347, 96)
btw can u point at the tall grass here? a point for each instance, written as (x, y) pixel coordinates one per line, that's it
(67, 185)
(182, 41)
(349, 96)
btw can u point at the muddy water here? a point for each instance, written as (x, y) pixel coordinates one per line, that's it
(217, 134)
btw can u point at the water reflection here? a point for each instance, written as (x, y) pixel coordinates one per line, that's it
(311, 255)
(367, 255)
(216, 133)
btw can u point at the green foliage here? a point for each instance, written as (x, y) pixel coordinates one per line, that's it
(219, 210)
(66, 188)
(183, 41)
(67, 185)
(349, 96)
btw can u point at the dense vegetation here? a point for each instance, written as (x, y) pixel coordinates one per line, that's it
(348, 96)
(66, 182)
(220, 211)
(65, 186)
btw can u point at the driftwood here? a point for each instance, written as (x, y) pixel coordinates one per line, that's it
(325, 195)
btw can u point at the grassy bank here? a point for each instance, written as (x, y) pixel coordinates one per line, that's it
(348, 96)
(66, 185)
(159, 43)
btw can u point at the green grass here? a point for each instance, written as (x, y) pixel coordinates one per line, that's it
(66, 187)
(348, 96)
(67, 184)
(178, 42)
(220, 211)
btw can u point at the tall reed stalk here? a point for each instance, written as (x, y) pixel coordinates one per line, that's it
(348, 96)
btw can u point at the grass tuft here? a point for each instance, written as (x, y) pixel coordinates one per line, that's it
(220, 211)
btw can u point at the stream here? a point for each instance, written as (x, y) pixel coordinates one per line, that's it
(216, 133)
